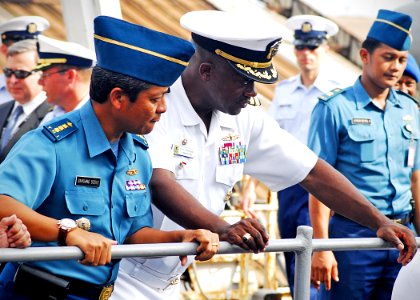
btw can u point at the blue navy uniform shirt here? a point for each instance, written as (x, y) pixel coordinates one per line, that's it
(70, 171)
(369, 145)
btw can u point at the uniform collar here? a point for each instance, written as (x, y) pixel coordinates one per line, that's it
(363, 98)
(97, 142)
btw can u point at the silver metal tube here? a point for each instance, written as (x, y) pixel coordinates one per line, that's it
(303, 264)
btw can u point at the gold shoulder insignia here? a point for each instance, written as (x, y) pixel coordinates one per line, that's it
(331, 94)
(141, 140)
(59, 130)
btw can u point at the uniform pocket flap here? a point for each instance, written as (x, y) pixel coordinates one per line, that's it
(136, 204)
(85, 202)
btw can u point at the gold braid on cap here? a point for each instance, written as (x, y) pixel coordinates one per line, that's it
(252, 64)
(396, 26)
(135, 48)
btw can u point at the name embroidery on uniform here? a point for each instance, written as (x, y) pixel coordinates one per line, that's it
(134, 185)
(361, 121)
(88, 181)
(232, 153)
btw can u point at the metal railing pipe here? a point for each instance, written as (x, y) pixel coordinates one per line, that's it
(303, 264)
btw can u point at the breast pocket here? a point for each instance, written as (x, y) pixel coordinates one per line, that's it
(286, 111)
(364, 141)
(229, 174)
(85, 201)
(137, 204)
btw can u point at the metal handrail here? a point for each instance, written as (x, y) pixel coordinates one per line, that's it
(303, 245)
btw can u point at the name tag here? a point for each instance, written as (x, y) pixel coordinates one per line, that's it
(88, 181)
(182, 150)
(362, 121)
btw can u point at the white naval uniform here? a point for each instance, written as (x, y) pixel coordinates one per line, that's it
(293, 103)
(406, 286)
(273, 156)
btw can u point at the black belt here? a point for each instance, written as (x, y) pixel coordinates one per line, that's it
(39, 284)
(402, 219)
(91, 291)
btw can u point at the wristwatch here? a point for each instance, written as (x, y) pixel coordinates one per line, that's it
(64, 227)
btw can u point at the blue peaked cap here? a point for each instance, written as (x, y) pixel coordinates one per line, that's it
(412, 68)
(139, 52)
(393, 29)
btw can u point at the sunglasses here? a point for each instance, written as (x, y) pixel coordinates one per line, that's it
(19, 74)
(309, 47)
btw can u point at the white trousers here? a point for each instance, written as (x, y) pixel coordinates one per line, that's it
(407, 284)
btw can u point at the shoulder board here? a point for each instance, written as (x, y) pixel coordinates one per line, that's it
(408, 96)
(141, 140)
(59, 130)
(327, 96)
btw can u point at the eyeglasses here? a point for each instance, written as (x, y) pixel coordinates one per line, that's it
(45, 75)
(19, 74)
(309, 47)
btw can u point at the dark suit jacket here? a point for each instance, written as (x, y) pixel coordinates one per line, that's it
(31, 122)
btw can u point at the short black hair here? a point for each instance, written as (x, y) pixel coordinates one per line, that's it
(103, 81)
(370, 45)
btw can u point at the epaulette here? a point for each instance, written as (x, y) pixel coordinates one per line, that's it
(408, 96)
(59, 130)
(141, 140)
(327, 96)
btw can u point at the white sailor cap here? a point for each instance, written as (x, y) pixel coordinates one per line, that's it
(53, 52)
(22, 28)
(246, 43)
(311, 30)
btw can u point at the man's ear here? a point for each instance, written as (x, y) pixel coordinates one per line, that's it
(364, 55)
(205, 70)
(117, 97)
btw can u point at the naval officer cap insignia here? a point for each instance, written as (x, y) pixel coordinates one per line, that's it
(139, 52)
(22, 28)
(247, 44)
(412, 68)
(53, 52)
(311, 30)
(393, 29)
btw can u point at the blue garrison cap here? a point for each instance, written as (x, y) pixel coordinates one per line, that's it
(393, 29)
(139, 52)
(24, 27)
(53, 52)
(412, 68)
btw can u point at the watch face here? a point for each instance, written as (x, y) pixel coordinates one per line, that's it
(67, 223)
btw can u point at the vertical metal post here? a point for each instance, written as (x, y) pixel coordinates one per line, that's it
(303, 264)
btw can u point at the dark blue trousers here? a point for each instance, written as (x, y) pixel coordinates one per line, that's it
(293, 212)
(367, 274)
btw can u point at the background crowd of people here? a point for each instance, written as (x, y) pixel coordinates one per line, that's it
(143, 138)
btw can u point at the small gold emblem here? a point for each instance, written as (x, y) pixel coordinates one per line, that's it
(32, 28)
(274, 48)
(230, 137)
(132, 172)
(306, 27)
(184, 142)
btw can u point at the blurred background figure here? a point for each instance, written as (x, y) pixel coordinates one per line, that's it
(29, 105)
(292, 106)
(410, 78)
(14, 30)
(66, 69)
